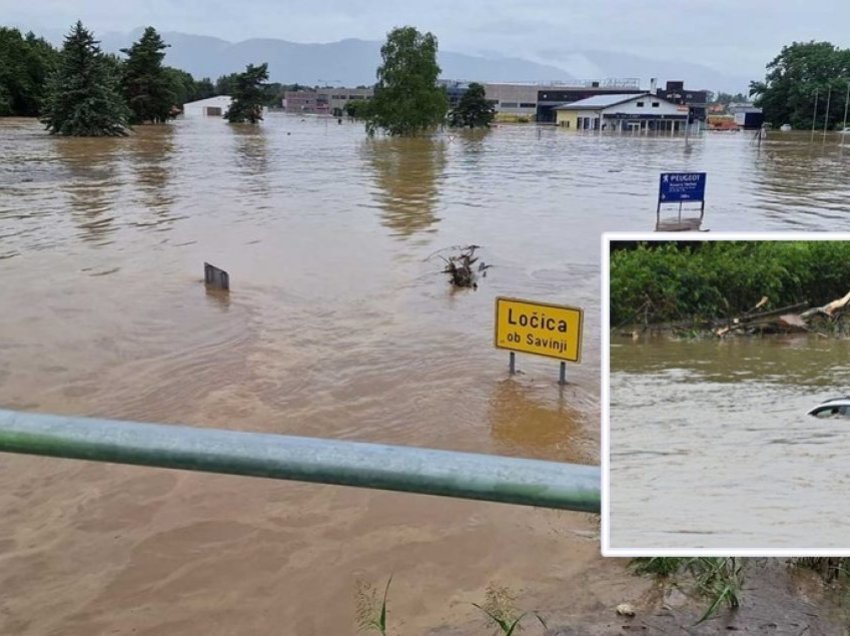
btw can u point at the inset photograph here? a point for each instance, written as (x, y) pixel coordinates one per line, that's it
(726, 394)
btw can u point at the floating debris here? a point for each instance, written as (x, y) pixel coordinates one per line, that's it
(461, 270)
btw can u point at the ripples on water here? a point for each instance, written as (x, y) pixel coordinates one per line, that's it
(711, 447)
(338, 324)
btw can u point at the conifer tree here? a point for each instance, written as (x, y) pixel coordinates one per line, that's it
(148, 87)
(83, 96)
(473, 110)
(248, 95)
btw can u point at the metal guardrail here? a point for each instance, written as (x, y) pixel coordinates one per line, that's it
(510, 480)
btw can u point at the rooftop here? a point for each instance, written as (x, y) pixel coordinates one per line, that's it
(602, 101)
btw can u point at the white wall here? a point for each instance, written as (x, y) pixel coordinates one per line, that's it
(631, 107)
(198, 108)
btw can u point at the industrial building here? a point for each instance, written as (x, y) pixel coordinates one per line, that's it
(209, 107)
(538, 101)
(513, 100)
(322, 101)
(624, 112)
(697, 101)
(550, 97)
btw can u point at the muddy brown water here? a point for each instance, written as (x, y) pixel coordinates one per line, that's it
(338, 325)
(711, 446)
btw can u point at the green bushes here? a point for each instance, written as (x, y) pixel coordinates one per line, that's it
(670, 281)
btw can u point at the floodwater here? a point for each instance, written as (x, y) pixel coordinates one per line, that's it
(711, 446)
(340, 325)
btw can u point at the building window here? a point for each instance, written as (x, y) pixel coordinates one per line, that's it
(528, 105)
(509, 104)
(640, 104)
(655, 104)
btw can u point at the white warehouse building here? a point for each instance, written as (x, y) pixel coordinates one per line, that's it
(209, 107)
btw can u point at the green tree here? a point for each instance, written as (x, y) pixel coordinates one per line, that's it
(148, 88)
(800, 75)
(249, 95)
(407, 100)
(182, 84)
(226, 84)
(204, 88)
(25, 65)
(358, 108)
(728, 98)
(473, 110)
(83, 95)
(273, 94)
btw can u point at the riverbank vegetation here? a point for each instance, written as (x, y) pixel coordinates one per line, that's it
(730, 286)
(719, 579)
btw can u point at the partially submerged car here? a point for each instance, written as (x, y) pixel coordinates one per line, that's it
(832, 407)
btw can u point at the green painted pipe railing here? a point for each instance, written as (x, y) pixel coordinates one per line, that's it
(511, 480)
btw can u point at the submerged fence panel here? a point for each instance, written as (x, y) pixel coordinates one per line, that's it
(417, 470)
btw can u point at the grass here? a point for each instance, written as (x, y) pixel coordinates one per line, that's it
(719, 579)
(500, 608)
(830, 568)
(371, 614)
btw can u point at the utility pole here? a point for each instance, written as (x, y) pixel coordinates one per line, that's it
(826, 114)
(814, 117)
(846, 102)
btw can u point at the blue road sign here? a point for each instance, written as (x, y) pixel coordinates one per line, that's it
(681, 186)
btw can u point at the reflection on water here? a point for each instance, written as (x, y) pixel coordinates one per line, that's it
(407, 174)
(334, 328)
(711, 446)
(219, 298)
(94, 184)
(526, 424)
(251, 156)
(151, 155)
(792, 172)
(251, 159)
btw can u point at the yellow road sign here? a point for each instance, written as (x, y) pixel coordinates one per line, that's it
(539, 328)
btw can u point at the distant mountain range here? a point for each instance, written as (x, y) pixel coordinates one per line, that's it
(353, 62)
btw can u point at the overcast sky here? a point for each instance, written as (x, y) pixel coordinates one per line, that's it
(737, 36)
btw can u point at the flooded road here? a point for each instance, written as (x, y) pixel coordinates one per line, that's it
(711, 446)
(338, 325)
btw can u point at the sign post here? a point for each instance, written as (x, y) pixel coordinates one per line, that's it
(541, 329)
(216, 277)
(681, 187)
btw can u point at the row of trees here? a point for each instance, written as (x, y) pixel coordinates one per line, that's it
(29, 61)
(802, 75)
(82, 91)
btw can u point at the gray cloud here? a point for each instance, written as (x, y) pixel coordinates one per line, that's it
(728, 35)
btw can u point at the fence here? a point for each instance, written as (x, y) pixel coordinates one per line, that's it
(416, 470)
